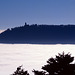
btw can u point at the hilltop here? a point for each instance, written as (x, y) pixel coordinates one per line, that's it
(39, 34)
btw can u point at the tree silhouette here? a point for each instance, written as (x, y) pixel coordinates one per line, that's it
(61, 65)
(36, 72)
(20, 71)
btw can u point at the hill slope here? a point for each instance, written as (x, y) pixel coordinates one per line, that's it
(40, 34)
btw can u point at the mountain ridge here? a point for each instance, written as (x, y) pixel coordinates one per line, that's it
(39, 34)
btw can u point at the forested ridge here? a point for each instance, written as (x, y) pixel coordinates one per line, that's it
(39, 34)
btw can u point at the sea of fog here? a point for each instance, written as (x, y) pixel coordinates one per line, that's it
(31, 56)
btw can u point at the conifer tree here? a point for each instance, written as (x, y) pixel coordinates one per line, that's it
(36, 72)
(61, 65)
(20, 71)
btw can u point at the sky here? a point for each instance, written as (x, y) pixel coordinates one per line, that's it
(14, 13)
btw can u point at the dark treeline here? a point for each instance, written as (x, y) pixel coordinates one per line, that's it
(60, 65)
(40, 34)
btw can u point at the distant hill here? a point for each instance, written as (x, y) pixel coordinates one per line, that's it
(39, 34)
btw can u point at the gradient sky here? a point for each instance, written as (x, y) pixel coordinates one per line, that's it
(16, 12)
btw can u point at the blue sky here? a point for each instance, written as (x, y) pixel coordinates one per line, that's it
(16, 12)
